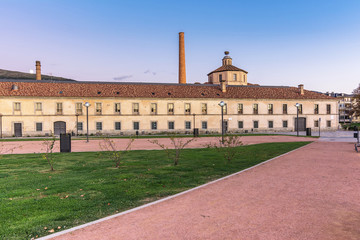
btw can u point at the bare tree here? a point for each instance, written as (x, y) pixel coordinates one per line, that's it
(228, 147)
(48, 155)
(114, 153)
(177, 144)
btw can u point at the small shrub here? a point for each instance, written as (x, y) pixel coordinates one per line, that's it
(178, 144)
(48, 155)
(112, 151)
(228, 146)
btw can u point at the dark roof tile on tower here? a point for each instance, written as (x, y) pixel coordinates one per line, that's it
(228, 68)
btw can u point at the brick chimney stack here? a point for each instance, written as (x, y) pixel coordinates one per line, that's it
(38, 70)
(223, 86)
(182, 70)
(301, 89)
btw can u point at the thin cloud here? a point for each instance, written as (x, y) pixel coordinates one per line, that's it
(150, 72)
(120, 78)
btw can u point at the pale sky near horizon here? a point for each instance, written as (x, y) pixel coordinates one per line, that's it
(279, 42)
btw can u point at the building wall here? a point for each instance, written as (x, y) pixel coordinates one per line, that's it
(29, 117)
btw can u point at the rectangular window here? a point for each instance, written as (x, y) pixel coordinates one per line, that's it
(225, 109)
(117, 108)
(170, 108)
(220, 77)
(38, 106)
(234, 77)
(79, 126)
(187, 108)
(256, 124)
(78, 108)
(153, 109)
(187, 125)
(204, 125)
(240, 124)
(204, 108)
(285, 124)
(117, 125)
(98, 108)
(284, 108)
(270, 108)
(328, 109)
(17, 106)
(153, 125)
(316, 109)
(316, 123)
(171, 125)
(270, 124)
(59, 108)
(328, 123)
(255, 108)
(39, 127)
(240, 108)
(136, 125)
(98, 126)
(135, 109)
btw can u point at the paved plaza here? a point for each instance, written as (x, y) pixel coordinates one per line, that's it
(310, 193)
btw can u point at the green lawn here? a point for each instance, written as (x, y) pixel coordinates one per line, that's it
(86, 186)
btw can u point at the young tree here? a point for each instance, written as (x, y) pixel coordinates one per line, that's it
(48, 155)
(228, 147)
(114, 153)
(178, 145)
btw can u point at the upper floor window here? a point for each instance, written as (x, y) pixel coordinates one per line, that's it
(135, 108)
(153, 108)
(98, 108)
(234, 77)
(255, 108)
(270, 108)
(78, 108)
(17, 106)
(316, 109)
(170, 108)
(117, 108)
(284, 108)
(187, 108)
(59, 108)
(38, 106)
(220, 77)
(240, 108)
(204, 108)
(328, 109)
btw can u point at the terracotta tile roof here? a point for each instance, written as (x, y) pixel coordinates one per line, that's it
(227, 68)
(149, 90)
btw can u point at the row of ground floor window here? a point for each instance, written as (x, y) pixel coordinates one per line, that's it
(117, 127)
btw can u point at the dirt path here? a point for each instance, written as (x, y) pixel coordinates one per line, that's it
(311, 193)
(138, 144)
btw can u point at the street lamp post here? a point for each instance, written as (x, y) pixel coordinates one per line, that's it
(319, 125)
(194, 126)
(77, 123)
(222, 104)
(297, 105)
(87, 105)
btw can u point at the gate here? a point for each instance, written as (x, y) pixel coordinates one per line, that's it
(59, 127)
(18, 129)
(302, 124)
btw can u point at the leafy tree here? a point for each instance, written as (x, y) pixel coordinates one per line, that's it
(355, 109)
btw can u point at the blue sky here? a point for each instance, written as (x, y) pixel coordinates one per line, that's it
(315, 43)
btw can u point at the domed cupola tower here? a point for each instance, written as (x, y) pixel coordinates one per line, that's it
(227, 72)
